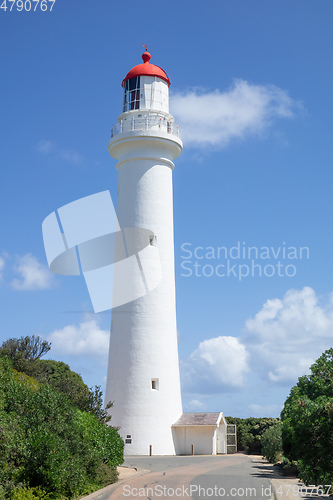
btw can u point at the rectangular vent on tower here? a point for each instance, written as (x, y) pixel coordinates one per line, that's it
(128, 439)
(154, 384)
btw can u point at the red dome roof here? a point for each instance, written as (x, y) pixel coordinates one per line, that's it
(147, 69)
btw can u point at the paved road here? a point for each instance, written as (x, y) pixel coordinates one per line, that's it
(200, 478)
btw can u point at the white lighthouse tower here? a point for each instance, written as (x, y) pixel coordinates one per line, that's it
(143, 371)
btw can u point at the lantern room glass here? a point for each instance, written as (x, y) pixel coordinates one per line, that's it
(131, 94)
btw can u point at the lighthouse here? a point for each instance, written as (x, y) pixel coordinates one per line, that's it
(143, 369)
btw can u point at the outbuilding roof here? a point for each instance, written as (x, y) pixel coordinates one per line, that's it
(194, 419)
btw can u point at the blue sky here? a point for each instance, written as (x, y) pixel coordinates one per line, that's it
(251, 88)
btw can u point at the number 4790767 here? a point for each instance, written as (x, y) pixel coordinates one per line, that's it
(27, 5)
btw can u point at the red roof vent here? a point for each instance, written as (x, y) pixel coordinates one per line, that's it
(146, 69)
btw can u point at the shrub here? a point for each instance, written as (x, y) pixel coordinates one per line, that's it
(59, 376)
(308, 423)
(106, 474)
(250, 431)
(271, 442)
(104, 439)
(289, 466)
(46, 442)
(25, 353)
(29, 494)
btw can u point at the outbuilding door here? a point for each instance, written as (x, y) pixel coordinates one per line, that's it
(221, 445)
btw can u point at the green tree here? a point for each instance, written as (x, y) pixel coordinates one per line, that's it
(24, 351)
(59, 376)
(307, 417)
(25, 354)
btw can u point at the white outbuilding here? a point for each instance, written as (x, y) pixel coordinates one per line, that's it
(200, 434)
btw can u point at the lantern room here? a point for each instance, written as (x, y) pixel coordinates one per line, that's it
(146, 87)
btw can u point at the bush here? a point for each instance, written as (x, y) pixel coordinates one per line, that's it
(289, 467)
(308, 423)
(250, 431)
(59, 376)
(104, 439)
(271, 442)
(106, 474)
(51, 453)
(46, 442)
(25, 353)
(30, 494)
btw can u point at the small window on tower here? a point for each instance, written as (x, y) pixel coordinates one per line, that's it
(154, 384)
(128, 439)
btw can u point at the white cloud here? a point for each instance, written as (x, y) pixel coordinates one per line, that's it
(48, 147)
(280, 344)
(266, 410)
(87, 339)
(196, 404)
(32, 274)
(287, 335)
(2, 266)
(45, 147)
(71, 156)
(216, 364)
(215, 118)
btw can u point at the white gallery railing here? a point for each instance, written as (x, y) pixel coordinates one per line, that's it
(156, 123)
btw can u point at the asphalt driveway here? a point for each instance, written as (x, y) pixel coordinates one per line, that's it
(197, 477)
